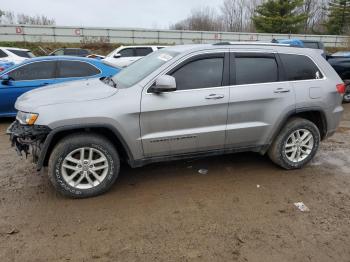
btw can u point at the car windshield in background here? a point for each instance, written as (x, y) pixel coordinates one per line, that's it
(143, 67)
(342, 54)
(312, 45)
(22, 53)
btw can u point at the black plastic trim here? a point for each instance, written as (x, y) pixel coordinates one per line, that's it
(217, 152)
(56, 131)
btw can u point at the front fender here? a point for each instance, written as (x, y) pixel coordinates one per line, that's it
(56, 132)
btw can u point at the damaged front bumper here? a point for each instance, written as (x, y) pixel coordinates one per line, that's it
(28, 139)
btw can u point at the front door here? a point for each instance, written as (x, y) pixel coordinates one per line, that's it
(193, 118)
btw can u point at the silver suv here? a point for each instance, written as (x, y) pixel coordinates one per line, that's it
(181, 102)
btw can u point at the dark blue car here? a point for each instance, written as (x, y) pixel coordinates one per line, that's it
(43, 71)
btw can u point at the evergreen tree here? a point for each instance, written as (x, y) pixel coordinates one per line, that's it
(338, 17)
(279, 16)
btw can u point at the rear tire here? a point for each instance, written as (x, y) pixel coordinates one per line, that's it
(296, 144)
(83, 165)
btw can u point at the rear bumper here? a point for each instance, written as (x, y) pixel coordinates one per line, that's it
(27, 139)
(333, 120)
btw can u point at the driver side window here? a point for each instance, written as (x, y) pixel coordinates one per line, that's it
(34, 71)
(200, 73)
(128, 52)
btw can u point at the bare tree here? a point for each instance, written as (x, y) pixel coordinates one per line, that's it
(316, 15)
(237, 14)
(232, 13)
(34, 20)
(201, 19)
(9, 17)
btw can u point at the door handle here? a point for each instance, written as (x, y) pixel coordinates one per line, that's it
(214, 96)
(281, 90)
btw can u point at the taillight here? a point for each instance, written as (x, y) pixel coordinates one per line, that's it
(341, 89)
(2, 69)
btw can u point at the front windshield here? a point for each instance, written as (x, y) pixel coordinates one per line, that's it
(143, 67)
(22, 53)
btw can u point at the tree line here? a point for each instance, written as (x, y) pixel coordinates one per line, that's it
(271, 16)
(10, 18)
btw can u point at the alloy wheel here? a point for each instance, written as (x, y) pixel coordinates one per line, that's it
(299, 145)
(85, 168)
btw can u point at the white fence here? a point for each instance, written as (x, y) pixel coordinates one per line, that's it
(65, 34)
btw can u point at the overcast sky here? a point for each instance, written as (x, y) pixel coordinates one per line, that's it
(110, 13)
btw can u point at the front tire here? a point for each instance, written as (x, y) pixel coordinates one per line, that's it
(296, 145)
(83, 165)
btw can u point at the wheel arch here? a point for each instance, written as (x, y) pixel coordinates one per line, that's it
(105, 130)
(315, 115)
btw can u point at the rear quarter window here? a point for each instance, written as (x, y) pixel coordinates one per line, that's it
(300, 67)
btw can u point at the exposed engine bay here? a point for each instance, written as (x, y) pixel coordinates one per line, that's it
(27, 139)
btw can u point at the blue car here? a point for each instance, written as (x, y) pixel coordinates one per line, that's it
(43, 71)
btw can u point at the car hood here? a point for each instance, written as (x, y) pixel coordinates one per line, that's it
(68, 92)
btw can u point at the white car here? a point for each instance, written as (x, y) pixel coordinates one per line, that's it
(125, 55)
(14, 55)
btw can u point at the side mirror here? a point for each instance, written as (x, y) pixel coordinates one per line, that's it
(164, 83)
(117, 55)
(5, 79)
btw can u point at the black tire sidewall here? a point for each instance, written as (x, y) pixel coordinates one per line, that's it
(347, 91)
(316, 136)
(71, 145)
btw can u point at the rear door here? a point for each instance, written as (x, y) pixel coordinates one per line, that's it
(307, 79)
(24, 79)
(259, 98)
(193, 118)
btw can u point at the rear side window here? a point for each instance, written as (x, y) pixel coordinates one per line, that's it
(34, 71)
(21, 53)
(300, 67)
(76, 69)
(143, 51)
(128, 52)
(203, 73)
(72, 52)
(2, 54)
(254, 70)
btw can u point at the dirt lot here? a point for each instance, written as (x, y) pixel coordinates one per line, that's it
(170, 212)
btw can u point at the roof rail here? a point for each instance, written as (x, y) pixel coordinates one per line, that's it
(252, 43)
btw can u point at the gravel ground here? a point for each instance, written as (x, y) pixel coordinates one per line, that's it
(241, 210)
